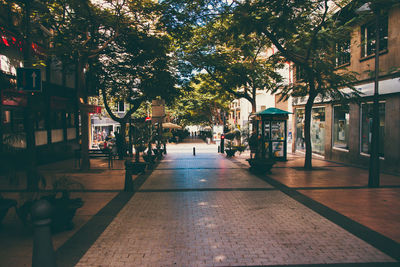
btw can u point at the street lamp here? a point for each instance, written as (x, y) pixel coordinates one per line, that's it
(373, 177)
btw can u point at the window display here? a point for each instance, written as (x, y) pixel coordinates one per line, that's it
(300, 145)
(366, 128)
(341, 122)
(317, 130)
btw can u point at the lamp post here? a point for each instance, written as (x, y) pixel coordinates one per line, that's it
(373, 178)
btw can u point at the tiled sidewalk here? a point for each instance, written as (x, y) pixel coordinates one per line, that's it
(207, 210)
(176, 221)
(101, 185)
(344, 189)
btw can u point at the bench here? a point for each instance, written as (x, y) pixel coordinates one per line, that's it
(96, 153)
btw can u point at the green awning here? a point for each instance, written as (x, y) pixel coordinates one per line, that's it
(273, 111)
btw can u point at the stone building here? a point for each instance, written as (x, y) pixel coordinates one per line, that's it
(342, 132)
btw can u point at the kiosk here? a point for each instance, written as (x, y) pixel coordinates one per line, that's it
(270, 128)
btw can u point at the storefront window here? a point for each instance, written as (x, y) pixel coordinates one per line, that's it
(317, 130)
(300, 145)
(366, 128)
(39, 121)
(341, 118)
(70, 119)
(56, 120)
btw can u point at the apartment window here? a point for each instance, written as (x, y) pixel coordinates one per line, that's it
(366, 128)
(39, 122)
(70, 118)
(56, 120)
(343, 53)
(121, 106)
(368, 37)
(341, 117)
(300, 73)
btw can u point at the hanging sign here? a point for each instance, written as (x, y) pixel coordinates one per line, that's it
(29, 80)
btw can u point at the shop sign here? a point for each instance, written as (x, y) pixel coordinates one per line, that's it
(10, 99)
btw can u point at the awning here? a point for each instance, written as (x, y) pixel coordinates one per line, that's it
(169, 125)
(273, 111)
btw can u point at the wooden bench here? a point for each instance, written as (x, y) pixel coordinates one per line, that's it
(96, 153)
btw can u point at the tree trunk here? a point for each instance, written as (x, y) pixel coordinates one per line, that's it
(32, 173)
(85, 140)
(253, 100)
(82, 95)
(31, 168)
(307, 132)
(122, 149)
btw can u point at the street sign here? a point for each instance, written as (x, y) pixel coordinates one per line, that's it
(29, 80)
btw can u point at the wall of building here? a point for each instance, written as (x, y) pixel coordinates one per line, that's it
(388, 59)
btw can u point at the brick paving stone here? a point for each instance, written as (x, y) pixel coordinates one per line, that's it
(219, 228)
(166, 222)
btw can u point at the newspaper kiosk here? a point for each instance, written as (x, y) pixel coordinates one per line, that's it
(270, 127)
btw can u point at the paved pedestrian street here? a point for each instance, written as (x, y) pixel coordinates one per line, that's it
(207, 210)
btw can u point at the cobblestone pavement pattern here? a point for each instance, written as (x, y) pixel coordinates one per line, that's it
(251, 224)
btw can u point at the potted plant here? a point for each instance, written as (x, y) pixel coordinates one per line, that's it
(5, 205)
(230, 150)
(140, 140)
(259, 165)
(64, 207)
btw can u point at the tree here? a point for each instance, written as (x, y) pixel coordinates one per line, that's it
(135, 69)
(201, 102)
(80, 32)
(237, 63)
(305, 33)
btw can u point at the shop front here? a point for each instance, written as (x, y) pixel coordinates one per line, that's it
(317, 130)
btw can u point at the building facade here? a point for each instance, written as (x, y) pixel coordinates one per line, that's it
(342, 132)
(45, 119)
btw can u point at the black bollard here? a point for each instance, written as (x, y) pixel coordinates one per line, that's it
(128, 176)
(194, 151)
(219, 149)
(43, 253)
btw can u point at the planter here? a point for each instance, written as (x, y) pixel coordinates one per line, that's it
(260, 165)
(137, 167)
(5, 205)
(230, 153)
(63, 211)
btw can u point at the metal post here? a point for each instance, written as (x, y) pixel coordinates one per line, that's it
(128, 176)
(43, 253)
(194, 151)
(373, 178)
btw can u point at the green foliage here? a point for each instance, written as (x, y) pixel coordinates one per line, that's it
(200, 102)
(237, 65)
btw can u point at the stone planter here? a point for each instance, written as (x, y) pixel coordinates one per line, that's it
(5, 205)
(260, 165)
(230, 152)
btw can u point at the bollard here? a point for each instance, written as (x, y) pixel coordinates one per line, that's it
(194, 151)
(219, 149)
(222, 143)
(128, 176)
(43, 253)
